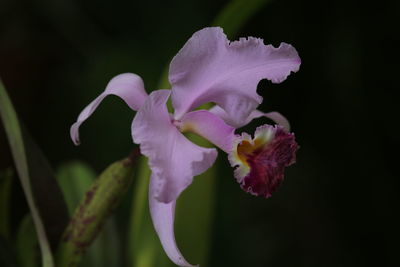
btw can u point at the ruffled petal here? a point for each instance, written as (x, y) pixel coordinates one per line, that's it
(274, 116)
(173, 159)
(163, 215)
(209, 126)
(209, 68)
(127, 86)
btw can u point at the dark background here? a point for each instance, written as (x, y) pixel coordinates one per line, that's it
(338, 205)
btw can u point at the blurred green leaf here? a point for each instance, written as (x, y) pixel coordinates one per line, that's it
(7, 255)
(195, 214)
(106, 249)
(235, 15)
(14, 135)
(26, 244)
(75, 178)
(5, 197)
(144, 248)
(93, 210)
(47, 194)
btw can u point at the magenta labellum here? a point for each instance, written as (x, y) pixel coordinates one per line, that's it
(261, 161)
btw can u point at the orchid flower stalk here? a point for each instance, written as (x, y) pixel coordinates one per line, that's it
(208, 69)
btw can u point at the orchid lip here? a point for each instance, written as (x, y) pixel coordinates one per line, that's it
(261, 160)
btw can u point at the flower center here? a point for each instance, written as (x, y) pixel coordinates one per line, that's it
(177, 124)
(246, 149)
(261, 161)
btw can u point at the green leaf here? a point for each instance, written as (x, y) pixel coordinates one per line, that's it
(47, 194)
(5, 197)
(7, 255)
(93, 210)
(235, 15)
(26, 244)
(106, 249)
(14, 135)
(144, 247)
(75, 178)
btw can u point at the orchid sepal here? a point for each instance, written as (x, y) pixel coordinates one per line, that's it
(128, 86)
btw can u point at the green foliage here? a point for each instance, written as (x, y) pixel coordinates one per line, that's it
(235, 15)
(194, 217)
(75, 178)
(15, 138)
(5, 198)
(47, 194)
(27, 244)
(144, 247)
(7, 258)
(93, 210)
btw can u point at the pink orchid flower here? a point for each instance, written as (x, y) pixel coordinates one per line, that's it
(209, 68)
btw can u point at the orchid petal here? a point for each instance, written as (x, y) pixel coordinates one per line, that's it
(173, 159)
(209, 68)
(273, 115)
(127, 86)
(163, 215)
(209, 126)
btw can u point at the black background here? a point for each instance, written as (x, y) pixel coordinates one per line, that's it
(338, 205)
